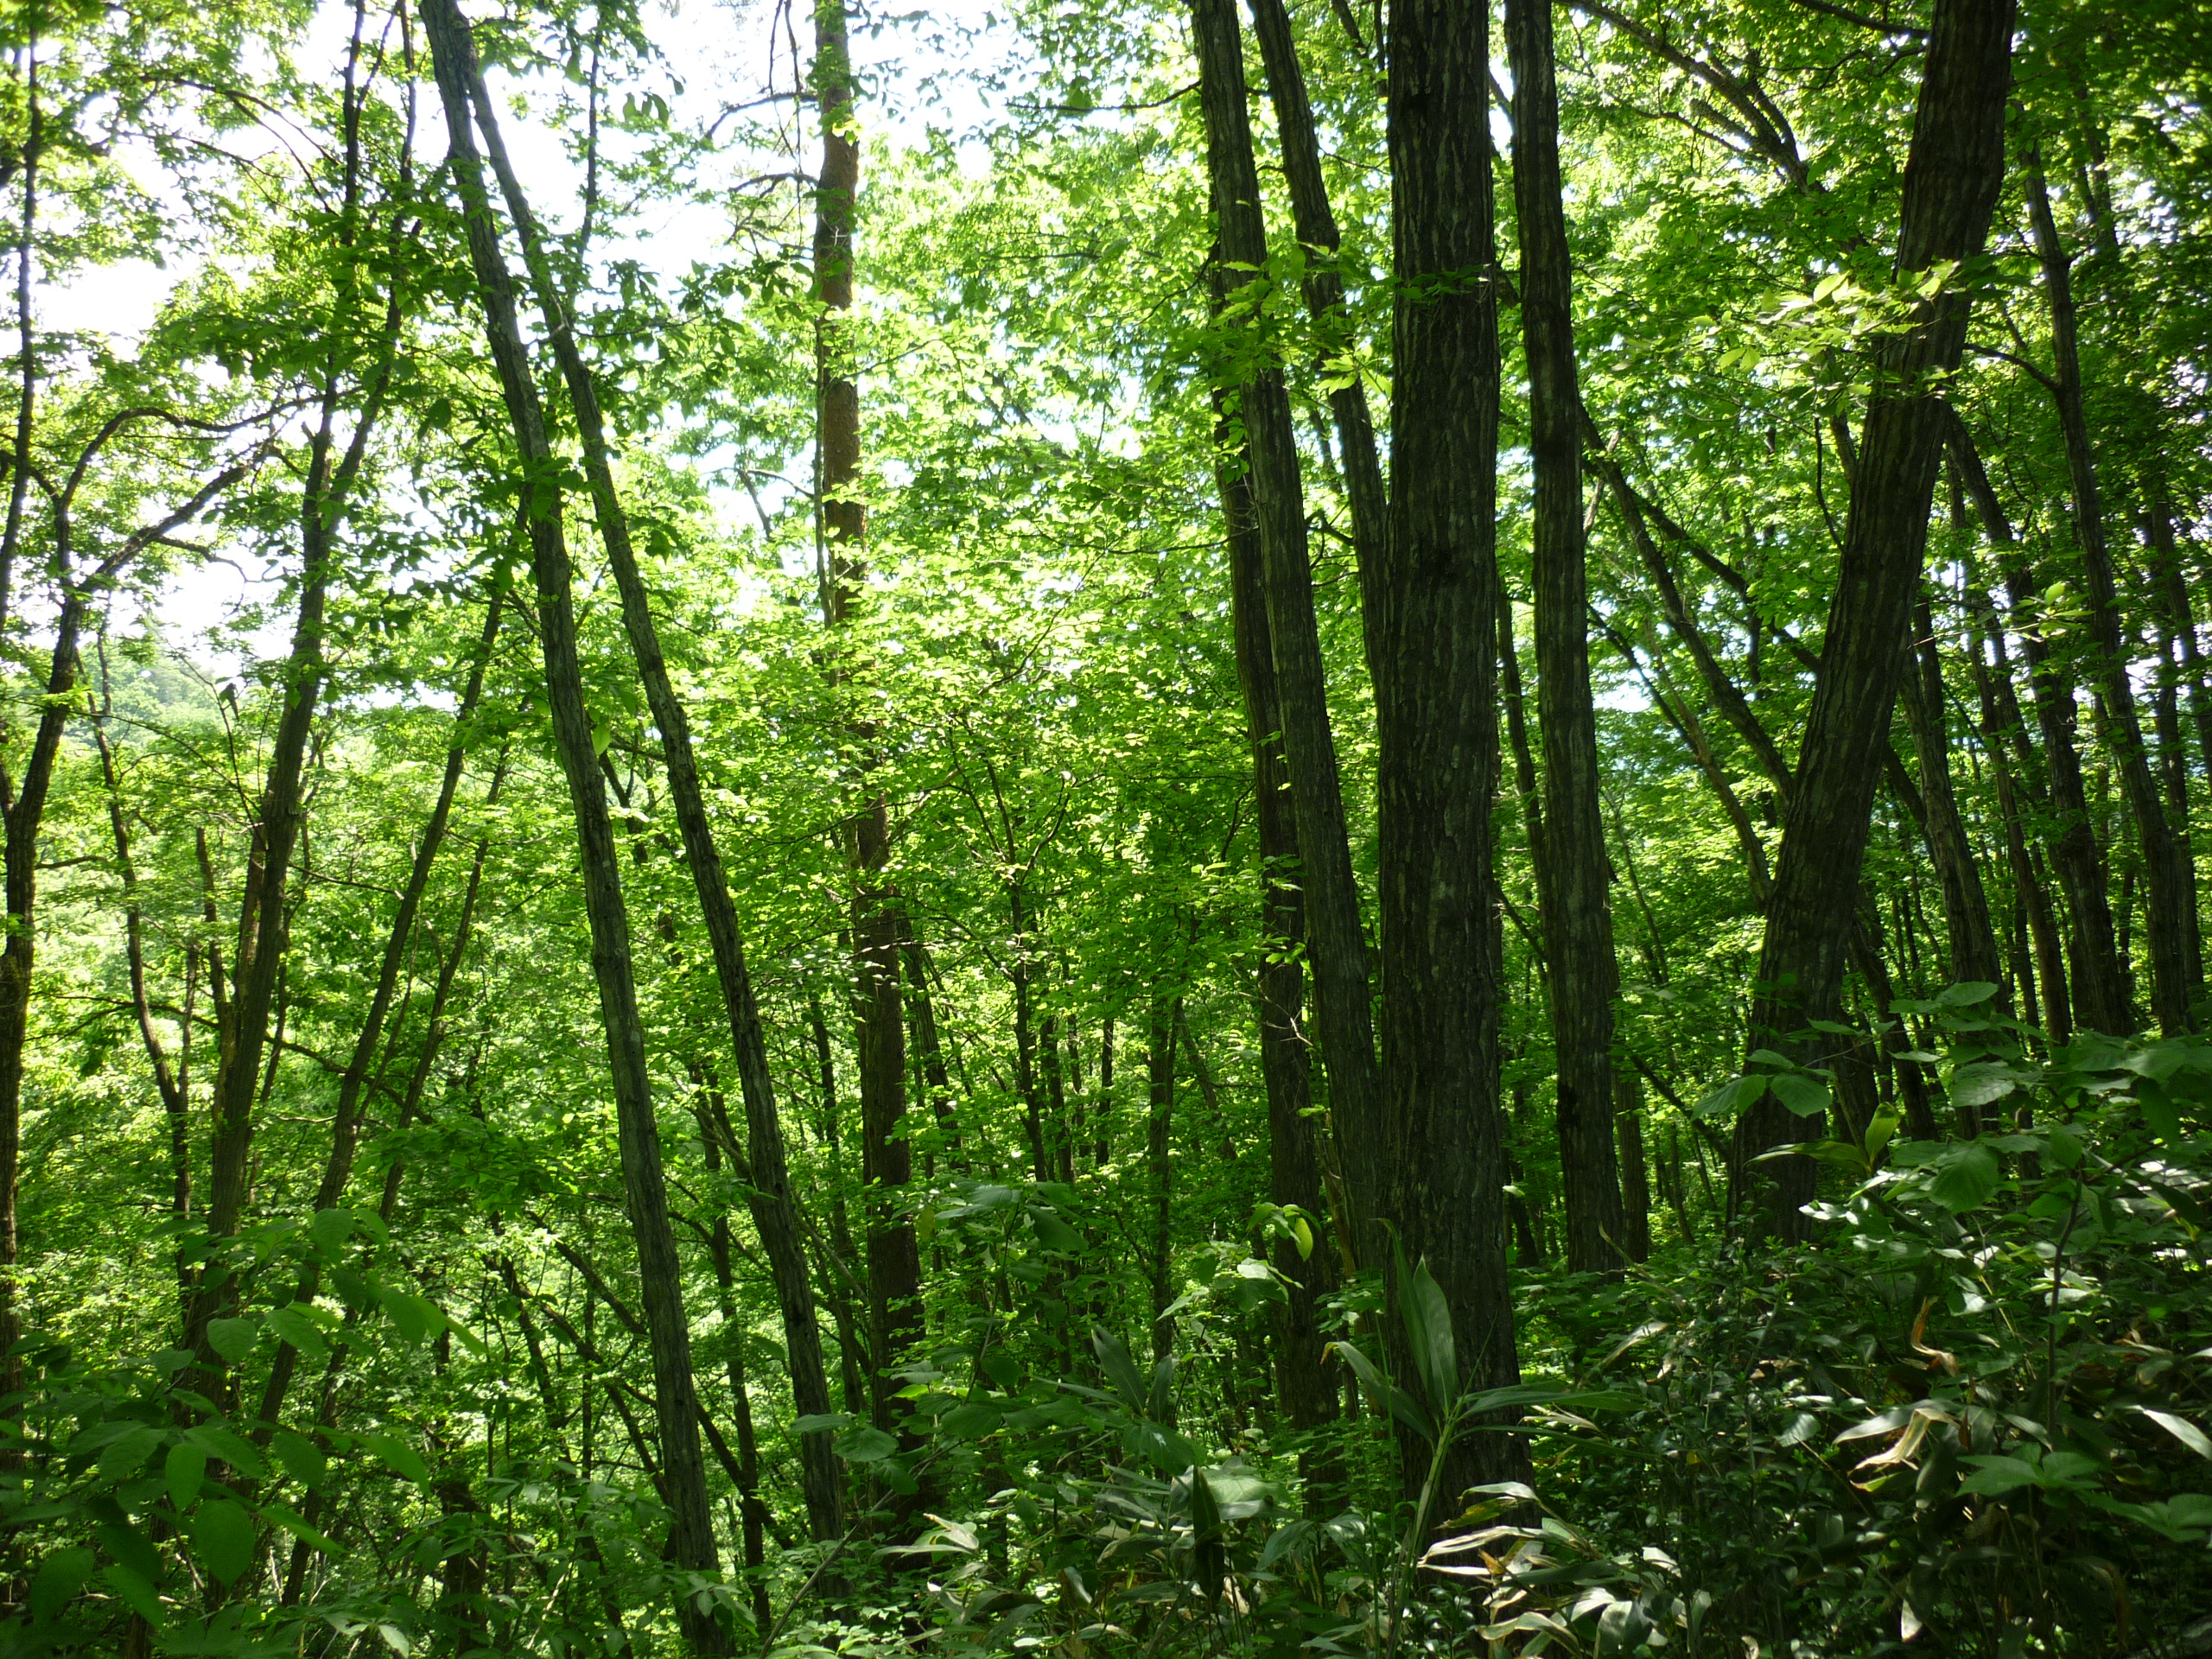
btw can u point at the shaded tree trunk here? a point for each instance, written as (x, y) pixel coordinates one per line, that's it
(1952, 177)
(2177, 969)
(1432, 628)
(1572, 869)
(1335, 945)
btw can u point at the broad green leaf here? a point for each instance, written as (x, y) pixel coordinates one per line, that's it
(969, 1421)
(331, 1228)
(416, 1318)
(186, 1469)
(1121, 1374)
(59, 1577)
(301, 1458)
(1429, 1333)
(1965, 1177)
(2181, 1429)
(865, 1444)
(400, 1457)
(233, 1339)
(1801, 1094)
(123, 1456)
(222, 1534)
(822, 1422)
(135, 1592)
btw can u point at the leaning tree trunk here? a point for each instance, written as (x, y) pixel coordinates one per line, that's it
(1966, 906)
(1335, 944)
(1572, 870)
(1952, 178)
(1432, 625)
(691, 1537)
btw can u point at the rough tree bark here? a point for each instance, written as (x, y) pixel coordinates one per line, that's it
(1434, 623)
(1335, 945)
(1952, 177)
(1572, 873)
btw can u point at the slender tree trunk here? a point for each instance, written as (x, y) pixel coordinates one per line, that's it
(774, 1210)
(753, 1514)
(1159, 1076)
(2177, 974)
(1636, 1179)
(1335, 944)
(1314, 224)
(2098, 1002)
(1433, 645)
(691, 1541)
(879, 1014)
(1293, 1156)
(1974, 955)
(1952, 178)
(1572, 870)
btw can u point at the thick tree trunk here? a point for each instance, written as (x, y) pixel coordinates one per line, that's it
(691, 1541)
(1432, 628)
(2177, 972)
(1952, 178)
(1635, 1177)
(1335, 944)
(1572, 869)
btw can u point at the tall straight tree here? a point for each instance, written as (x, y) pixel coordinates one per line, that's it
(1336, 943)
(894, 1267)
(775, 1209)
(1951, 180)
(2169, 914)
(1572, 869)
(1433, 647)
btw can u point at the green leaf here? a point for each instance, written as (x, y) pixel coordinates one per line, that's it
(970, 1421)
(331, 1228)
(1998, 1476)
(121, 1456)
(1401, 1405)
(135, 1592)
(186, 1469)
(2181, 1429)
(400, 1457)
(278, 1514)
(1429, 1333)
(233, 1339)
(1966, 993)
(1980, 1085)
(1121, 1371)
(228, 1445)
(124, 1543)
(294, 1325)
(222, 1534)
(865, 1444)
(1054, 1234)
(61, 1576)
(820, 1422)
(1800, 1094)
(416, 1318)
(301, 1458)
(1965, 1177)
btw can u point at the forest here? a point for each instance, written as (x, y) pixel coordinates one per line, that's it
(1109, 827)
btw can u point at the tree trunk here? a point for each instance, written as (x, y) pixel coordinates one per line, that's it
(1572, 873)
(2177, 972)
(1160, 1073)
(1952, 178)
(1335, 944)
(692, 1540)
(1974, 955)
(1294, 1157)
(1635, 1177)
(2099, 1000)
(1433, 629)
(774, 1210)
